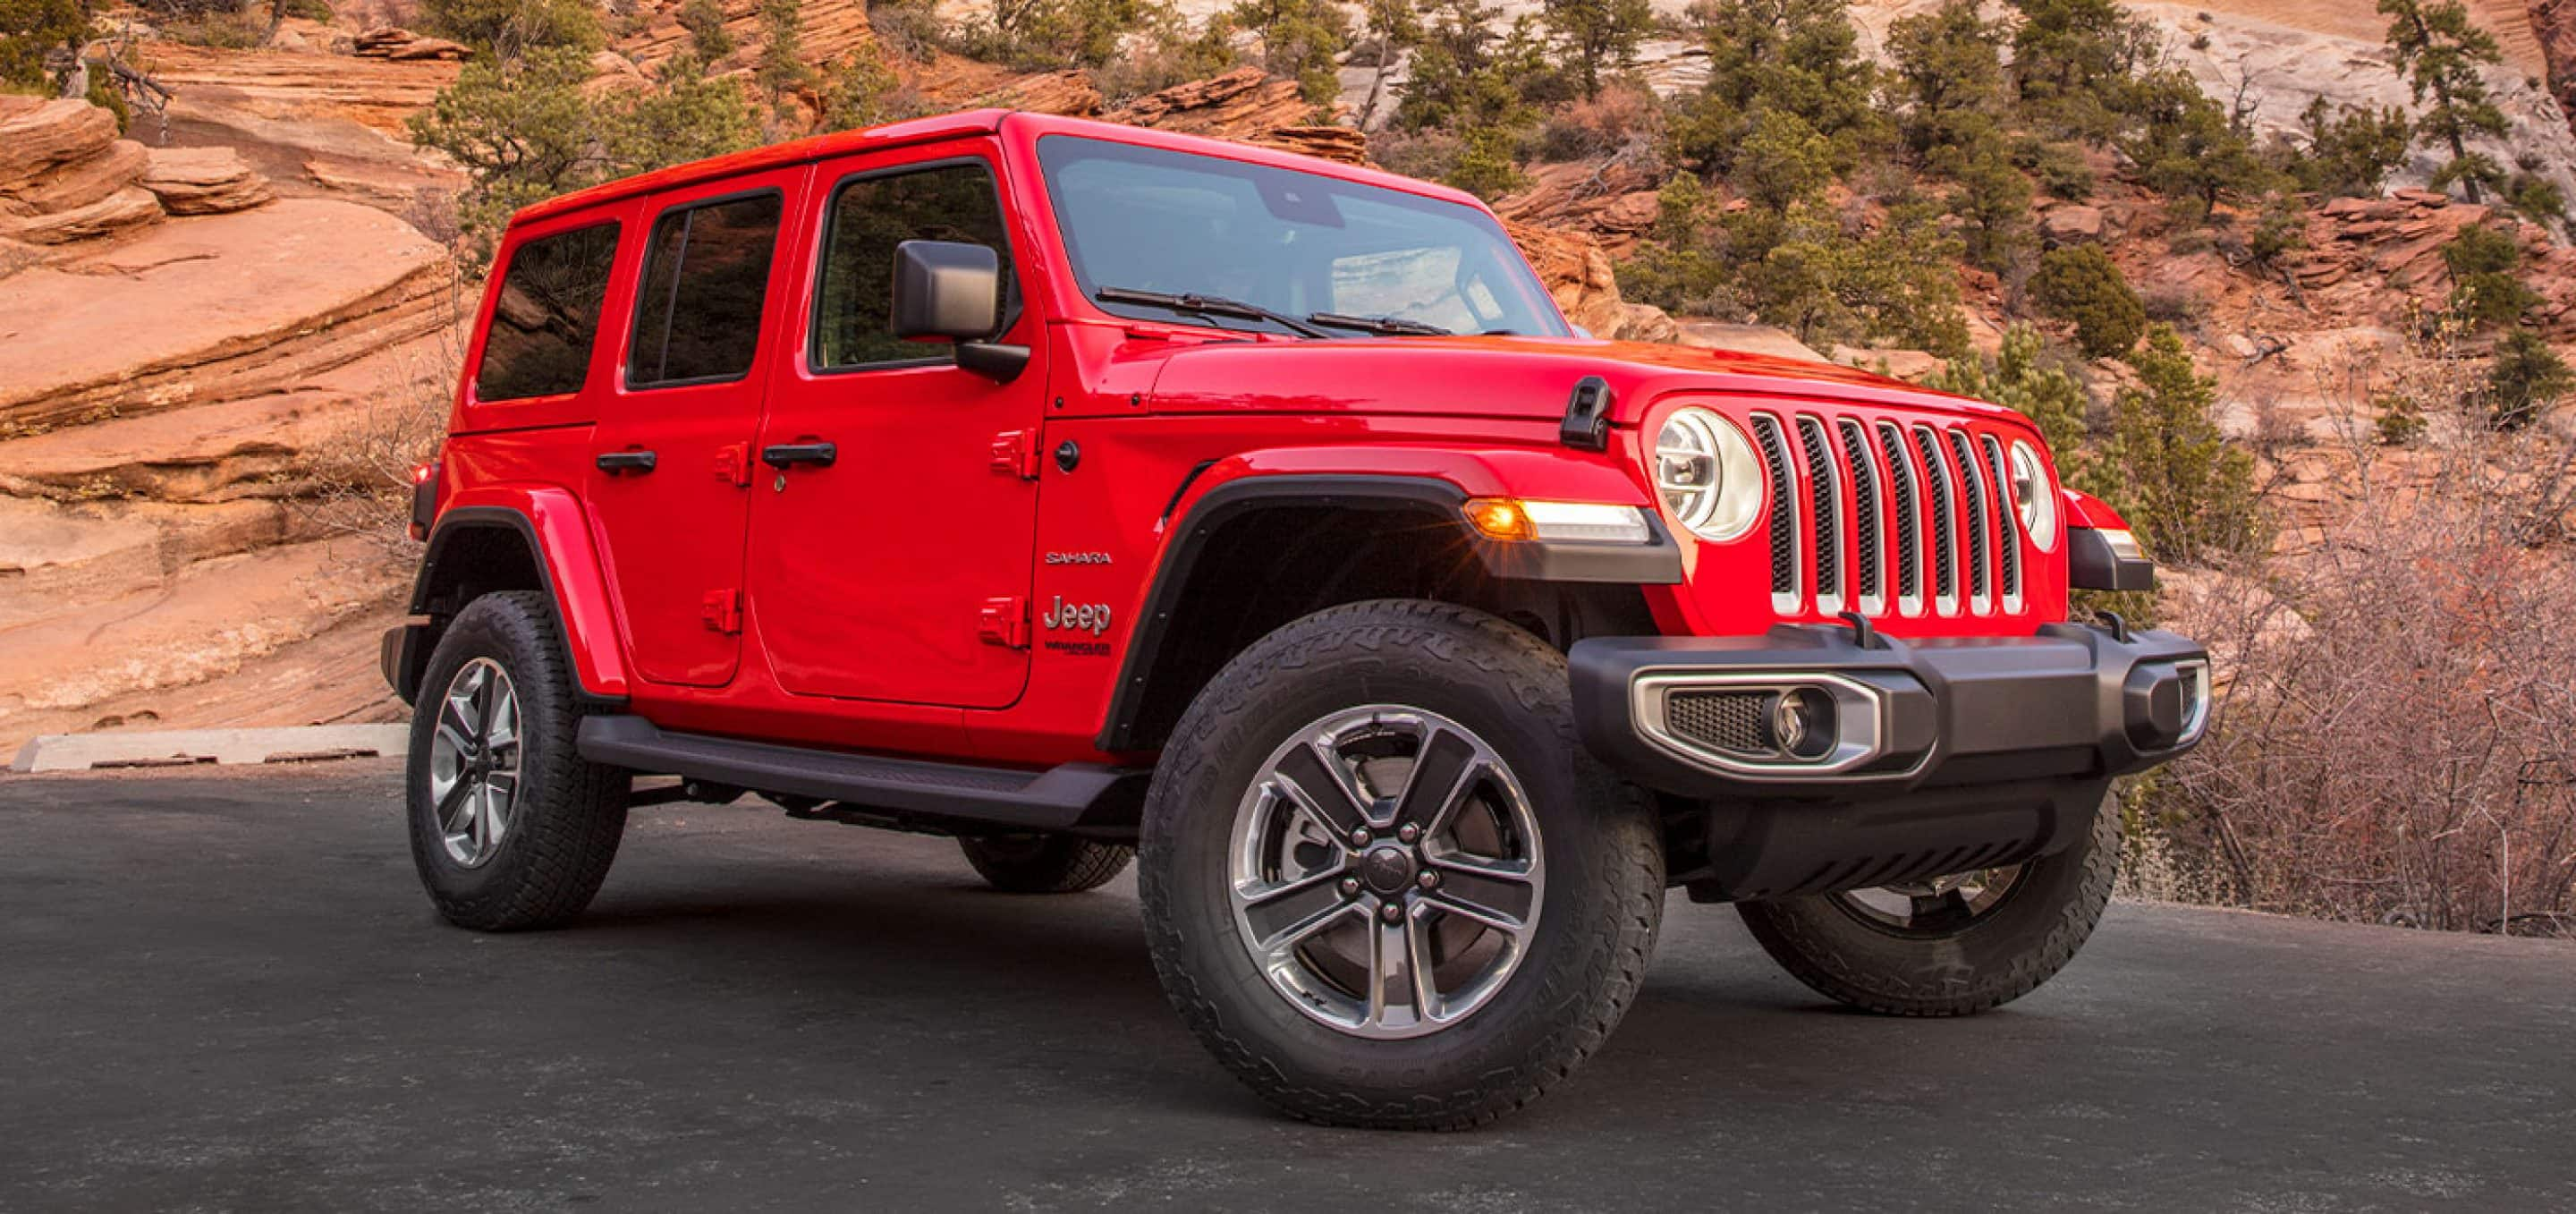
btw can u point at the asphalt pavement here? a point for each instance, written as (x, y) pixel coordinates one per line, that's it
(223, 991)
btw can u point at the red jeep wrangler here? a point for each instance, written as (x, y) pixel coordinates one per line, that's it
(1076, 490)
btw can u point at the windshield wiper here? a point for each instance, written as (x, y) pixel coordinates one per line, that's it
(1385, 325)
(1207, 305)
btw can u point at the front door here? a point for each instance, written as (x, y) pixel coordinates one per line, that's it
(892, 571)
(670, 480)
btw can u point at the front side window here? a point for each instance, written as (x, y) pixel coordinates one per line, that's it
(697, 307)
(1298, 245)
(854, 308)
(547, 316)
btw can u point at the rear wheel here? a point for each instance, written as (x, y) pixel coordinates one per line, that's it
(1950, 946)
(1044, 864)
(510, 828)
(1383, 882)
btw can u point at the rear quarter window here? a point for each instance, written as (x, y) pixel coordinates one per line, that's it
(547, 316)
(698, 303)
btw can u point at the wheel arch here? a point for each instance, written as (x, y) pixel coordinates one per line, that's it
(1253, 551)
(521, 540)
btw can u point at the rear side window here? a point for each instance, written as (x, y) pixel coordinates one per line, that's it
(854, 309)
(548, 315)
(697, 310)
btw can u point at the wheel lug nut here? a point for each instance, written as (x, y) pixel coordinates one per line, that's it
(1359, 837)
(1350, 886)
(1409, 833)
(1428, 879)
(1392, 913)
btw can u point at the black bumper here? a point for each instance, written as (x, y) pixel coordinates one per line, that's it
(1956, 754)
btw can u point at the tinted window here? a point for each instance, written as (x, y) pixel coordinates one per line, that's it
(697, 312)
(547, 316)
(869, 217)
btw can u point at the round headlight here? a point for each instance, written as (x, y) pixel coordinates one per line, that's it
(1707, 475)
(2034, 499)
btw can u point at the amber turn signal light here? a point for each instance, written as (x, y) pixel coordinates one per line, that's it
(1500, 518)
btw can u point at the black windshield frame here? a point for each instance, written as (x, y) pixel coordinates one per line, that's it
(1537, 312)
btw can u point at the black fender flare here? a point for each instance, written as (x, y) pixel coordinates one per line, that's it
(1655, 563)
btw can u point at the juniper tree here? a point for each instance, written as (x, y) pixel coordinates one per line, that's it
(1601, 34)
(1799, 57)
(2439, 49)
(1948, 75)
(2189, 492)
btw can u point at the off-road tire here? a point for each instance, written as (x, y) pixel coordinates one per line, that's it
(1998, 957)
(1599, 842)
(569, 813)
(1045, 864)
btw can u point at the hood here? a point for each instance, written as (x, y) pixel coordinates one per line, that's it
(1503, 377)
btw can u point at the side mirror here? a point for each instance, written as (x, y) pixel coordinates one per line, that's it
(952, 290)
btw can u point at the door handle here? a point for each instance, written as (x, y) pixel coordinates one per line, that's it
(614, 462)
(788, 455)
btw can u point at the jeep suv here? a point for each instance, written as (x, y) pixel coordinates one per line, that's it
(1084, 492)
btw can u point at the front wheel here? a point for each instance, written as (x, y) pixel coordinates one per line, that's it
(1949, 946)
(1383, 881)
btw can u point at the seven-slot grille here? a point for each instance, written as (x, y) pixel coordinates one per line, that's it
(1878, 515)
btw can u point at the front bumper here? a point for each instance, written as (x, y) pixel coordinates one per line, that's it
(2072, 701)
(1945, 755)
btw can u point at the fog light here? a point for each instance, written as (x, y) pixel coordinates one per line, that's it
(1802, 723)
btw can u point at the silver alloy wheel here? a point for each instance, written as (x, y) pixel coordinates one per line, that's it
(1385, 871)
(1934, 907)
(474, 761)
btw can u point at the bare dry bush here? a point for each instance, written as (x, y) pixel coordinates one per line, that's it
(2393, 741)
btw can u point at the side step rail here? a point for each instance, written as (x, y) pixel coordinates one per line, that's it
(1083, 798)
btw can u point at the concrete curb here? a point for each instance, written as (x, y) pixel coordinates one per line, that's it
(179, 747)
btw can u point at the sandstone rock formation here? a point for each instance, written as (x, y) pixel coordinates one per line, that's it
(212, 309)
(312, 122)
(1579, 275)
(204, 181)
(1615, 200)
(1237, 105)
(64, 174)
(827, 31)
(951, 81)
(397, 43)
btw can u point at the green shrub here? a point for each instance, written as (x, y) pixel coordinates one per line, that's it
(2486, 287)
(2059, 168)
(2526, 381)
(2350, 150)
(2400, 421)
(2082, 285)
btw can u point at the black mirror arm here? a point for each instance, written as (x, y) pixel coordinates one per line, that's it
(993, 360)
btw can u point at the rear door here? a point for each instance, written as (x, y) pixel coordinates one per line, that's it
(671, 474)
(897, 571)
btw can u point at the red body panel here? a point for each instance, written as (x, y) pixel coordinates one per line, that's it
(865, 581)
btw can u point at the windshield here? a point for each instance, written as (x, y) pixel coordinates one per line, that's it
(1139, 220)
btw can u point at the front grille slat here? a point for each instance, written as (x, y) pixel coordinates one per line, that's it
(1909, 521)
(1868, 536)
(1976, 518)
(1945, 522)
(1784, 514)
(2007, 525)
(1824, 512)
(1889, 516)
